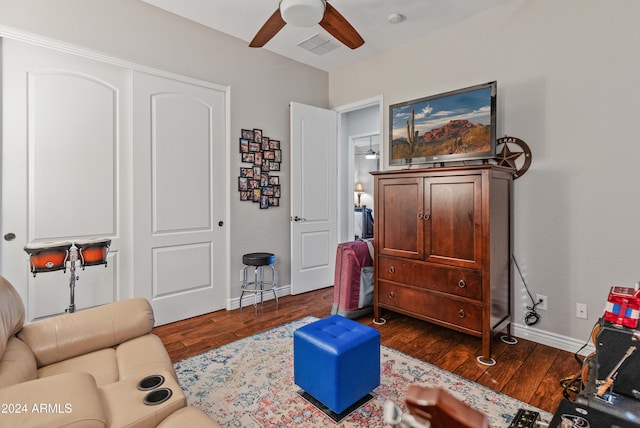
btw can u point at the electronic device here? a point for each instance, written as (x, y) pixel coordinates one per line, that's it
(618, 359)
(610, 396)
(452, 126)
(585, 415)
(525, 419)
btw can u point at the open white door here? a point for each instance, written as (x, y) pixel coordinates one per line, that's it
(313, 197)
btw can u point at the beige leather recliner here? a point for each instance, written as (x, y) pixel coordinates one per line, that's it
(83, 369)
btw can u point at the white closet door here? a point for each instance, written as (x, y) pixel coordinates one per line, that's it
(179, 196)
(64, 144)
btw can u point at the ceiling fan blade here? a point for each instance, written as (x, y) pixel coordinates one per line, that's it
(339, 27)
(268, 30)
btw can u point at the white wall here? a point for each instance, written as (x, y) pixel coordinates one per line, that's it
(262, 85)
(567, 75)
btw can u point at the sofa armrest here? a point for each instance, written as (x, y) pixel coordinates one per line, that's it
(65, 336)
(17, 364)
(69, 400)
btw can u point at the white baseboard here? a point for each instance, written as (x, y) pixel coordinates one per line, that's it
(554, 340)
(250, 298)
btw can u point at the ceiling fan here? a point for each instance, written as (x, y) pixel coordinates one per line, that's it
(305, 13)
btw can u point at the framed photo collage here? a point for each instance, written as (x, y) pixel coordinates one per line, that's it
(256, 182)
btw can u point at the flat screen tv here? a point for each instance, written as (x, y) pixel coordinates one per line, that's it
(458, 125)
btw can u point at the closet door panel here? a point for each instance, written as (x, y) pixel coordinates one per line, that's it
(65, 157)
(180, 198)
(72, 154)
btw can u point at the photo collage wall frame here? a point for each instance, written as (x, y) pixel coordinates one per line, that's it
(256, 182)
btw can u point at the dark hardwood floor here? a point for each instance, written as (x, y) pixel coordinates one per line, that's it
(528, 371)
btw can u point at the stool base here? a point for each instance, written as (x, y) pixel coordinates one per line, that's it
(336, 417)
(258, 286)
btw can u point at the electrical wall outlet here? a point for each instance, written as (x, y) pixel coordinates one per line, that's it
(581, 310)
(542, 299)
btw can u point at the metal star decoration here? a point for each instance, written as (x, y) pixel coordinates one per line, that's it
(511, 159)
(508, 158)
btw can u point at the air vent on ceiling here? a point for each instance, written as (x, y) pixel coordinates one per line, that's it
(318, 44)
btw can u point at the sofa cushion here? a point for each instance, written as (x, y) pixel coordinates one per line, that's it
(143, 356)
(11, 313)
(67, 400)
(66, 336)
(102, 365)
(17, 364)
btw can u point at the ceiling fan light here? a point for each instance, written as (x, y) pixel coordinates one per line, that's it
(370, 154)
(302, 13)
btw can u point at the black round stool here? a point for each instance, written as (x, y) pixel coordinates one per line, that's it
(259, 261)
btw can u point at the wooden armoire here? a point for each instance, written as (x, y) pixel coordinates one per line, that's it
(442, 241)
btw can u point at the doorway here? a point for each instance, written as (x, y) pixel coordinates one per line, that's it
(359, 130)
(365, 159)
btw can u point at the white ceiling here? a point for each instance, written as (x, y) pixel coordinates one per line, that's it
(243, 18)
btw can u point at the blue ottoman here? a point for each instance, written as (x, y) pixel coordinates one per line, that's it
(336, 361)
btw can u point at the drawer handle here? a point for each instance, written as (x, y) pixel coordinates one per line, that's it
(391, 295)
(461, 313)
(462, 284)
(392, 269)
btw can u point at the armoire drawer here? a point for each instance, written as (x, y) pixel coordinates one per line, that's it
(459, 281)
(434, 306)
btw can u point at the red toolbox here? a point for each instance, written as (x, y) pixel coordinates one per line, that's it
(623, 306)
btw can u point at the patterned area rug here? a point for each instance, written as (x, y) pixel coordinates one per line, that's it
(249, 383)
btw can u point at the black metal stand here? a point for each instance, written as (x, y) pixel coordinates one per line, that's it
(72, 281)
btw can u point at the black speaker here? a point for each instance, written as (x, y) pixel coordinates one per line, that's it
(612, 343)
(584, 415)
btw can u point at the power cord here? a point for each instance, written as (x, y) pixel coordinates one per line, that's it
(531, 317)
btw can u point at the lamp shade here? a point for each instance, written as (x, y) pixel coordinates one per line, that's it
(359, 188)
(302, 13)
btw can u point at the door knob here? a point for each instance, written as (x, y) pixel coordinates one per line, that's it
(9, 236)
(296, 218)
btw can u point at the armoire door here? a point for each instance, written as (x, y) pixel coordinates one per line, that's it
(64, 143)
(400, 208)
(180, 238)
(453, 229)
